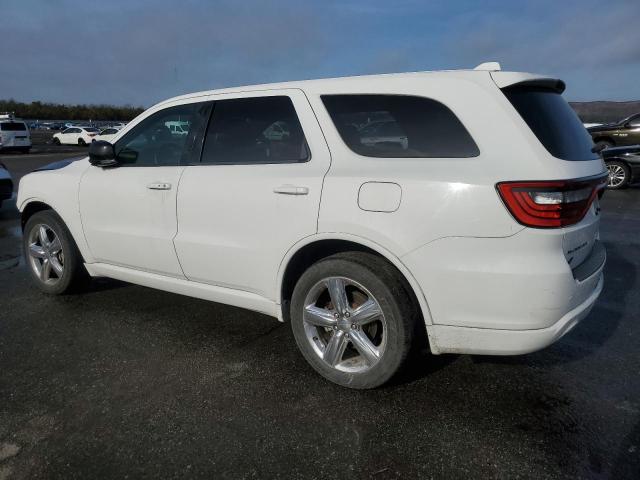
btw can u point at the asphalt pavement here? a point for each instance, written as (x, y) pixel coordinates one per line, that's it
(129, 382)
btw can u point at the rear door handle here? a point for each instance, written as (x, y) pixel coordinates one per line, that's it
(159, 186)
(291, 190)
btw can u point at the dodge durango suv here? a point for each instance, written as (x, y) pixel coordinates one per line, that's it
(388, 213)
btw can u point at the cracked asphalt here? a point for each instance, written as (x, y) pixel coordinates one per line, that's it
(128, 382)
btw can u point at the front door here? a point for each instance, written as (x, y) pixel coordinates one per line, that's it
(129, 212)
(255, 193)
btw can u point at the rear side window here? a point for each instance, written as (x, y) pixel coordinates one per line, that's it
(13, 127)
(553, 121)
(399, 126)
(253, 131)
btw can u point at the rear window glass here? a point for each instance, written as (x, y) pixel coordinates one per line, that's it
(13, 127)
(91, 130)
(399, 126)
(553, 121)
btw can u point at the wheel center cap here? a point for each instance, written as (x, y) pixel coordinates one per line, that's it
(344, 324)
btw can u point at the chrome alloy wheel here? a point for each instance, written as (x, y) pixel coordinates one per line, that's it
(46, 256)
(344, 324)
(617, 175)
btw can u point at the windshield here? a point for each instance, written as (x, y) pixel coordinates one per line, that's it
(553, 121)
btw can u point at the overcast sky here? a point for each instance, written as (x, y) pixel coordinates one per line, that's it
(140, 52)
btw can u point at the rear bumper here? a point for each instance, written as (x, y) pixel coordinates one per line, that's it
(485, 341)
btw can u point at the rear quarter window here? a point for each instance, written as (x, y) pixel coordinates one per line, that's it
(553, 121)
(399, 126)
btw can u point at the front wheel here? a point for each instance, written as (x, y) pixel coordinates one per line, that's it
(353, 319)
(619, 175)
(52, 255)
(56, 141)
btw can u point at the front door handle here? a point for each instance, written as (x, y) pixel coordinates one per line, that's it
(291, 190)
(159, 186)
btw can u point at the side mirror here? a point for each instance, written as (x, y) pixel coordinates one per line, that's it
(102, 154)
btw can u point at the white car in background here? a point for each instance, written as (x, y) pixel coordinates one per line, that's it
(107, 134)
(76, 136)
(466, 236)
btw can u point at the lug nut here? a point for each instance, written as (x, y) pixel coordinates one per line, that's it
(353, 326)
(347, 314)
(336, 315)
(335, 327)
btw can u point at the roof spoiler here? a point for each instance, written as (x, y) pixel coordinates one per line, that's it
(511, 79)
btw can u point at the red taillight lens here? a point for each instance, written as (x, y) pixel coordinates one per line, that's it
(550, 204)
(92, 134)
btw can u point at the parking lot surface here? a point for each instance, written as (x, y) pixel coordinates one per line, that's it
(129, 382)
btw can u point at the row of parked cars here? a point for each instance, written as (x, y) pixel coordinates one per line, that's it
(81, 135)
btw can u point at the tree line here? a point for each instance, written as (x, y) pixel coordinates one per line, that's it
(56, 111)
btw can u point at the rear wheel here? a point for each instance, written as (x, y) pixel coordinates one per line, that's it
(81, 142)
(619, 174)
(52, 255)
(353, 319)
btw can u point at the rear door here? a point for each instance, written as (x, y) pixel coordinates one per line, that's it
(129, 212)
(254, 194)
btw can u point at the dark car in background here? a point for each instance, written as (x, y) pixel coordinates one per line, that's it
(624, 132)
(623, 164)
(6, 184)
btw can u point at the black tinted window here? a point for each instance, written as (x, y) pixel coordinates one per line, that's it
(13, 127)
(553, 121)
(255, 130)
(155, 141)
(399, 126)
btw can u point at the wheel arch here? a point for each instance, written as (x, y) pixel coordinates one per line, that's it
(30, 208)
(33, 205)
(603, 138)
(311, 249)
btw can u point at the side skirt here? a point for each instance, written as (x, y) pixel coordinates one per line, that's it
(228, 296)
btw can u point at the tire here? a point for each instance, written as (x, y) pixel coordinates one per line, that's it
(73, 275)
(56, 141)
(619, 175)
(81, 142)
(365, 279)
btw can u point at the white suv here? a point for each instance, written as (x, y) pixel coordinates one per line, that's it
(14, 134)
(473, 218)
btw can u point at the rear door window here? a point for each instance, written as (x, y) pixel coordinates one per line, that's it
(13, 127)
(553, 121)
(254, 131)
(400, 126)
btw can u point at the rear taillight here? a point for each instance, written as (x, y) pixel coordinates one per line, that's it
(92, 134)
(550, 204)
